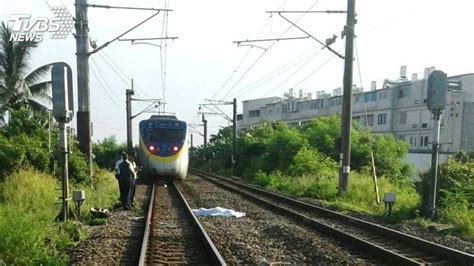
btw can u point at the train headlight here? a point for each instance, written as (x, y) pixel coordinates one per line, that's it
(173, 149)
(152, 148)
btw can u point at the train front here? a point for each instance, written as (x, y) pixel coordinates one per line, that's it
(163, 148)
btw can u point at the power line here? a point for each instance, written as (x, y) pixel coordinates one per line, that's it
(316, 70)
(163, 59)
(116, 66)
(268, 48)
(100, 82)
(275, 73)
(246, 54)
(294, 73)
(127, 84)
(112, 65)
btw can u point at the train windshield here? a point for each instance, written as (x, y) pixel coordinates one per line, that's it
(163, 135)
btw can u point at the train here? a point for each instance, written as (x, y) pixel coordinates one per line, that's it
(163, 147)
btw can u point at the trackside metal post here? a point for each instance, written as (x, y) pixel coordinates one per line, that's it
(61, 87)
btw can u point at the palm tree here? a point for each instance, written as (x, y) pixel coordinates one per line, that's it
(18, 87)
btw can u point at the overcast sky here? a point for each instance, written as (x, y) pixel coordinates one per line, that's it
(205, 63)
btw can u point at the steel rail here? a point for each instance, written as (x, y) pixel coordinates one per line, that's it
(213, 254)
(146, 233)
(414, 242)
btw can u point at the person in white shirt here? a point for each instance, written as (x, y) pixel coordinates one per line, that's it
(133, 158)
(125, 175)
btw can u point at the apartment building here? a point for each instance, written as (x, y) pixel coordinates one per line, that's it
(398, 107)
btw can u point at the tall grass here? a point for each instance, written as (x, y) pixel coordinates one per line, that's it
(28, 207)
(360, 196)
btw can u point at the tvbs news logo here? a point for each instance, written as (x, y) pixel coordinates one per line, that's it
(27, 28)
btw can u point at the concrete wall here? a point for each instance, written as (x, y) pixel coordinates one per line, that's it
(422, 162)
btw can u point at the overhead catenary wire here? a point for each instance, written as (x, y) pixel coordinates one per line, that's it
(265, 51)
(163, 50)
(247, 53)
(275, 73)
(316, 70)
(114, 67)
(294, 72)
(102, 85)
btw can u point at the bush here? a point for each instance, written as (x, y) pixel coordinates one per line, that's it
(107, 151)
(23, 142)
(273, 146)
(28, 208)
(310, 161)
(78, 168)
(11, 156)
(455, 198)
(360, 196)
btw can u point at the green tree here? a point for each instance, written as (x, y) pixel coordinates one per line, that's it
(107, 152)
(281, 147)
(19, 88)
(308, 161)
(24, 142)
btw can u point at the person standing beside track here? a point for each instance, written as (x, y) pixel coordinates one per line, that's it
(133, 159)
(126, 175)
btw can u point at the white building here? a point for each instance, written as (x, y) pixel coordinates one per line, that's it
(398, 107)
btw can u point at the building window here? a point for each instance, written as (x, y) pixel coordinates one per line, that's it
(424, 141)
(424, 125)
(370, 96)
(412, 141)
(383, 95)
(357, 98)
(370, 120)
(254, 113)
(403, 118)
(356, 119)
(382, 119)
(400, 93)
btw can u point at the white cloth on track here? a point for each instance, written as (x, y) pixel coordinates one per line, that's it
(218, 211)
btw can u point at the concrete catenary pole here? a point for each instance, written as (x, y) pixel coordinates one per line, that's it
(83, 83)
(128, 107)
(234, 135)
(345, 155)
(128, 103)
(205, 130)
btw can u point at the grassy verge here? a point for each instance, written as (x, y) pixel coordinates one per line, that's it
(28, 207)
(359, 198)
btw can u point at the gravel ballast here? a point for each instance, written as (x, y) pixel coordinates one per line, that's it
(116, 242)
(261, 237)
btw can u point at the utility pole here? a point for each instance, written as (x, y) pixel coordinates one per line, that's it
(345, 154)
(83, 83)
(234, 136)
(431, 212)
(128, 103)
(204, 121)
(64, 169)
(436, 102)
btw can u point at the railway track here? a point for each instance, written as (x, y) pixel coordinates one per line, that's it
(389, 245)
(173, 235)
